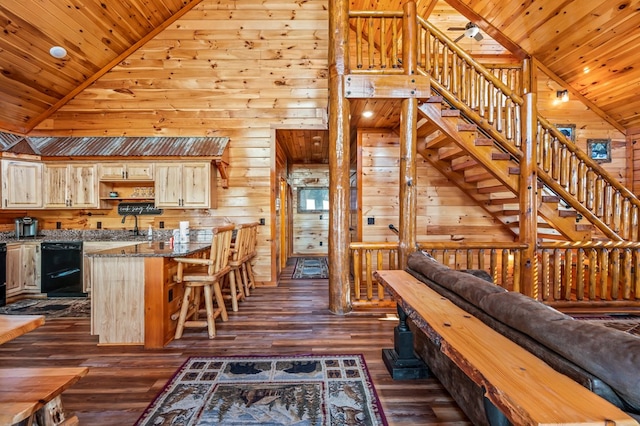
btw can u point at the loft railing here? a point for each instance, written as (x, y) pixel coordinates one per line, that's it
(594, 274)
(490, 97)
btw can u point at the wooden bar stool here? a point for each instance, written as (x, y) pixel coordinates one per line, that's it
(204, 275)
(236, 258)
(247, 271)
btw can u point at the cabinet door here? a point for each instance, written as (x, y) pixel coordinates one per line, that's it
(139, 171)
(55, 186)
(14, 269)
(196, 185)
(111, 171)
(21, 184)
(168, 185)
(83, 186)
(31, 267)
(93, 247)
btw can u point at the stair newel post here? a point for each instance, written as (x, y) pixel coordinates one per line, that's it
(528, 199)
(408, 136)
(339, 156)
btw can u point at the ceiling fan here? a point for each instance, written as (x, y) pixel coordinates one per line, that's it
(471, 30)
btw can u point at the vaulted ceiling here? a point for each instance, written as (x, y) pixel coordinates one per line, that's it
(589, 45)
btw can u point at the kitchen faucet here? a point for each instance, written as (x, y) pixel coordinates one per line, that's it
(135, 226)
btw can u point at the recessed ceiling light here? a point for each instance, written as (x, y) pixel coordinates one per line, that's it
(58, 52)
(367, 114)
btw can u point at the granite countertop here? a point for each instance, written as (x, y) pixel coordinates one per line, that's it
(86, 235)
(153, 249)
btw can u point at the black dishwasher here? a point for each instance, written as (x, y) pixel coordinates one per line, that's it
(62, 268)
(3, 274)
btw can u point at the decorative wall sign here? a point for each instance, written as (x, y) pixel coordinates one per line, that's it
(568, 130)
(599, 150)
(138, 209)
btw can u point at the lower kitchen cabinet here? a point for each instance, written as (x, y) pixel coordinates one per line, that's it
(93, 247)
(23, 268)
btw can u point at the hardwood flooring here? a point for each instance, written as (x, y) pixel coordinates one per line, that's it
(290, 319)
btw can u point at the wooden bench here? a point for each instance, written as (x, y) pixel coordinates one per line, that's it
(525, 389)
(26, 393)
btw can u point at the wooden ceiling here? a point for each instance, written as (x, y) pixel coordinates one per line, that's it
(588, 45)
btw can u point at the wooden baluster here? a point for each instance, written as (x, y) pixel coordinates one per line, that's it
(394, 47)
(457, 262)
(383, 43)
(491, 104)
(517, 270)
(582, 182)
(436, 60)
(420, 39)
(591, 190)
(604, 273)
(608, 204)
(564, 166)
(626, 279)
(448, 80)
(493, 264)
(359, 42)
(499, 124)
(504, 278)
(380, 286)
(508, 132)
(481, 259)
(475, 83)
(599, 197)
(579, 280)
(614, 265)
(555, 159)
(625, 219)
(573, 174)
(616, 210)
(546, 154)
(446, 259)
(357, 273)
(545, 274)
(370, 35)
(593, 267)
(482, 100)
(633, 226)
(568, 273)
(469, 258)
(367, 255)
(557, 274)
(393, 259)
(517, 136)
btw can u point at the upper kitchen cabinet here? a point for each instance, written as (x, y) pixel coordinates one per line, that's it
(21, 184)
(125, 171)
(185, 185)
(70, 186)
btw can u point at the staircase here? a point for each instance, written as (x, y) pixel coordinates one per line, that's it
(487, 174)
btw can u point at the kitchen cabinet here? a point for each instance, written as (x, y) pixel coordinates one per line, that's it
(70, 186)
(185, 185)
(125, 171)
(23, 268)
(21, 184)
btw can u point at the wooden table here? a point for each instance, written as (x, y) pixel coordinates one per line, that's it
(12, 326)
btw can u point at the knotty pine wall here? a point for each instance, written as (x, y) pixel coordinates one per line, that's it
(444, 213)
(227, 68)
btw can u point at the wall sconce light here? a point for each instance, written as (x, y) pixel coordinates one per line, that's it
(563, 95)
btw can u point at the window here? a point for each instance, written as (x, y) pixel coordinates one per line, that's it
(313, 200)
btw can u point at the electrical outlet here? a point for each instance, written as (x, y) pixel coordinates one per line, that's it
(320, 217)
(99, 225)
(58, 225)
(161, 225)
(262, 221)
(320, 243)
(371, 221)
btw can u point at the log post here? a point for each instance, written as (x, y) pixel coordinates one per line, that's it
(528, 190)
(339, 153)
(408, 150)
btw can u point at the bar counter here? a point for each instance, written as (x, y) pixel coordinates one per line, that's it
(133, 293)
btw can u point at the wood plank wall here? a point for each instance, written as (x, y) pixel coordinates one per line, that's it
(444, 213)
(236, 69)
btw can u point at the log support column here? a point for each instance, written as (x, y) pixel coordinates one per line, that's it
(339, 156)
(408, 150)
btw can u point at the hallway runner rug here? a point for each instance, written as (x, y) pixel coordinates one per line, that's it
(305, 390)
(309, 268)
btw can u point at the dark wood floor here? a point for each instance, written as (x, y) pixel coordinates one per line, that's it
(290, 319)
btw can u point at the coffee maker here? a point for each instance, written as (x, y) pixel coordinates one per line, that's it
(26, 227)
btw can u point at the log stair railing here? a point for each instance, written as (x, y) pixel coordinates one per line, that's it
(490, 99)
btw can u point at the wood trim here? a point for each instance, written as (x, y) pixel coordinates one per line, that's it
(31, 124)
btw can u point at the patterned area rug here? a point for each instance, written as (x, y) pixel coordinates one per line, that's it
(73, 307)
(290, 390)
(311, 268)
(627, 323)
